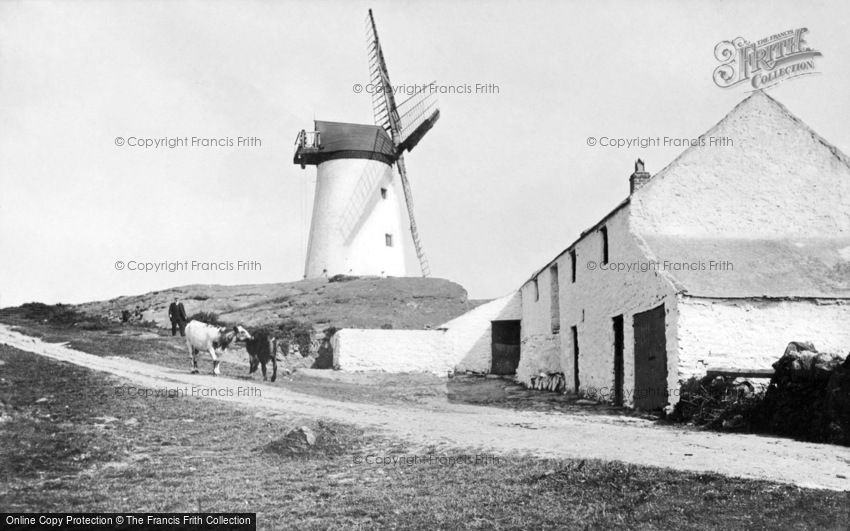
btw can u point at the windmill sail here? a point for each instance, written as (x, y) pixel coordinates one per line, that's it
(387, 116)
(417, 115)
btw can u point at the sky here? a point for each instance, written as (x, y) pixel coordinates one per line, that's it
(502, 184)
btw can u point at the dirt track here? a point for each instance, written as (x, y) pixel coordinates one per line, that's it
(499, 430)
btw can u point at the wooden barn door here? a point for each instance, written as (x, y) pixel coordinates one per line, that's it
(650, 359)
(506, 342)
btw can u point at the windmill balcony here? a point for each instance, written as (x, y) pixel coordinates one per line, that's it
(307, 146)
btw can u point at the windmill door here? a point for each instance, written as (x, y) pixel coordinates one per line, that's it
(506, 341)
(650, 359)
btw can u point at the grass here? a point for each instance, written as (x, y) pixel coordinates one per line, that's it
(73, 439)
(363, 302)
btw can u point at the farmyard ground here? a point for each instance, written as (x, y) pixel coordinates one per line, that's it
(93, 445)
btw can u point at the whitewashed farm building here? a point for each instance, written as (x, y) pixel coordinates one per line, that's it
(719, 260)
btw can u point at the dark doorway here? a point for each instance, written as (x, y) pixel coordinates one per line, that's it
(618, 360)
(506, 342)
(650, 359)
(576, 380)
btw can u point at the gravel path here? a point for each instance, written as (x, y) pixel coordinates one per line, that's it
(542, 434)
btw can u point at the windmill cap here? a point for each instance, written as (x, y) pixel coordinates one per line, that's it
(338, 140)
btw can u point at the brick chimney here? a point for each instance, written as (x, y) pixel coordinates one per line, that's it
(638, 178)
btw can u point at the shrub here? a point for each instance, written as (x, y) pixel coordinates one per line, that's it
(95, 324)
(60, 314)
(342, 278)
(717, 403)
(63, 315)
(299, 333)
(207, 317)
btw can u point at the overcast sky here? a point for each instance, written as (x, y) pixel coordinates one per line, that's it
(502, 183)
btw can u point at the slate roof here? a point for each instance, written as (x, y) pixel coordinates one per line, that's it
(747, 268)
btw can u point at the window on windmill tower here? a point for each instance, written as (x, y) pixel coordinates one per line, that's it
(389, 239)
(604, 231)
(383, 193)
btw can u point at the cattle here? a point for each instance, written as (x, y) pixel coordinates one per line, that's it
(201, 337)
(262, 348)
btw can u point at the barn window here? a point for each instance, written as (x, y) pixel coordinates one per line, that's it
(555, 300)
(604, 231)
(389, 239)
(573, 265)
(536, 289)
(383, 193)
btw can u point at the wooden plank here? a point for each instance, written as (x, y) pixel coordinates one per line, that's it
(740, 373)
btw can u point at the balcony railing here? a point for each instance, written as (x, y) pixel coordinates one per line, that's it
(307, 144)
(308, 140)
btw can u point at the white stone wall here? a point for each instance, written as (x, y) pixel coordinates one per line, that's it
(600, 293)
(539, 351)
(366, 253)
(463, 343)
(392, 351)
(749, 334)
(470, 336)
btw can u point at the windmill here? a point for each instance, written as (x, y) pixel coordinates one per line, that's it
(357, 217)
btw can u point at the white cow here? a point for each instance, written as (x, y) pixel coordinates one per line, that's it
(201, 337)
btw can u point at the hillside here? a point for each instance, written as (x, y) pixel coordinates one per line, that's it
(411, 303)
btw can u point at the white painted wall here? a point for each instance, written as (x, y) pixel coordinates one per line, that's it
(392, 351)
(750, 334)
(463, 343)
(540, 348)
(367, 253)
(600, 293)
(470, 336)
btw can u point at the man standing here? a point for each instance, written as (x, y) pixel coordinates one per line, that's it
(177, 314)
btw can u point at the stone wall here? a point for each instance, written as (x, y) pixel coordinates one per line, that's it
(601, 292)
(540, 348)
(463, 343)
(751, 334)
(470, 336)
(392, 351)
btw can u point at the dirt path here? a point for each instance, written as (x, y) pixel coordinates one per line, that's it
(495, 430)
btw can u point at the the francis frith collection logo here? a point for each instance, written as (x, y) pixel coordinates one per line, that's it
(766, 62)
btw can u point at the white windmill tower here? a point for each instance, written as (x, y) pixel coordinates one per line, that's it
(358, 219)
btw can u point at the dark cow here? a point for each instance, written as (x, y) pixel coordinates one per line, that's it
(262, 348)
